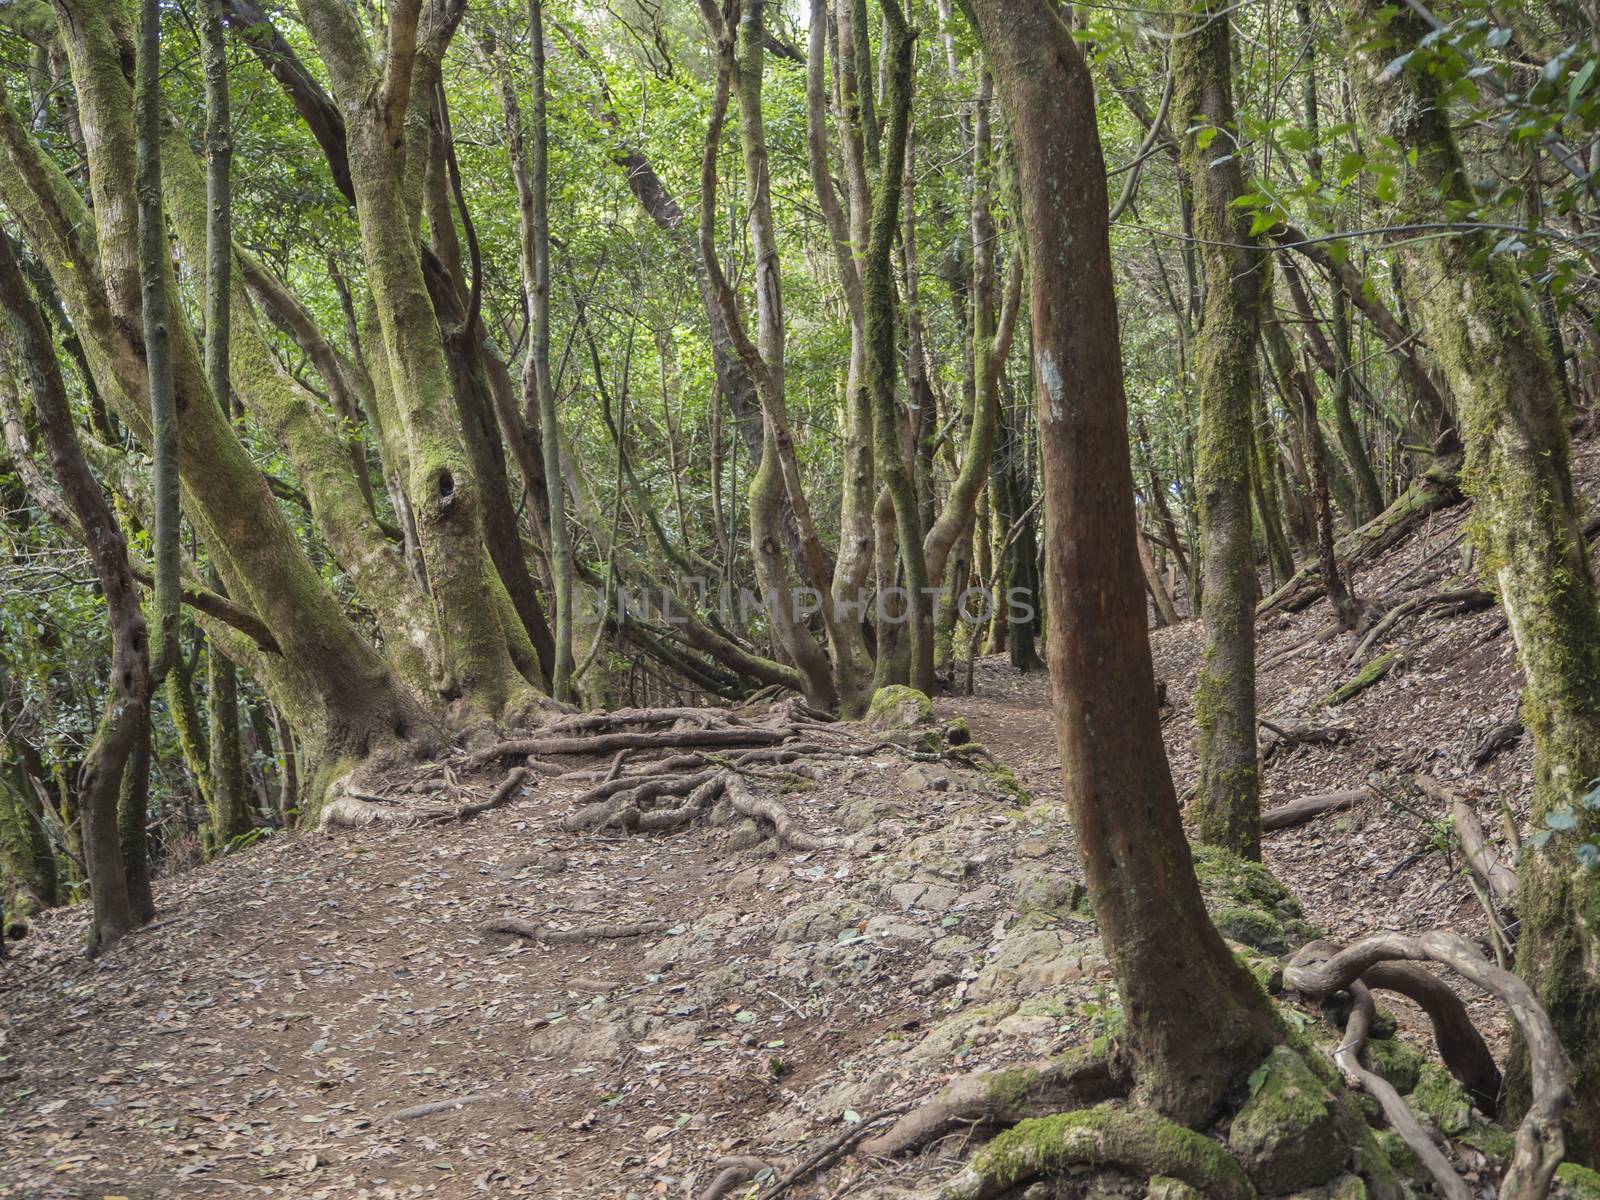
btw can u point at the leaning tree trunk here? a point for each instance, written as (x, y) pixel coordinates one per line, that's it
(338, 692)
(128, 688)
(1197, 1024)
(1489, 345)
(1228, 799)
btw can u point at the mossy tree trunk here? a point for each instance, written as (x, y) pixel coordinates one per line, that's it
(128, 684)
(1228, 800)
(740, 70)
(847, 230)
(387, 156)
(340, 694)
(1527, 523)
(1197, 1023)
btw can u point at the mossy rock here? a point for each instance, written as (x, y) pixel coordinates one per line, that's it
(1268, 971)
(1401, 1157)
(1494, 1142)
(1223, 874)
(1346, 1187)
(1394, 1061)
(898, 707)
(1290, 1133)
(1579, 1181)
(1251, 927)
(1440, 1098)
(1004, 779)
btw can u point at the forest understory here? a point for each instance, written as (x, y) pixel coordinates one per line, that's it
(327, 1015)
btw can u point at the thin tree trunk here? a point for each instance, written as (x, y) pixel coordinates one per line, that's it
(882, 367)
(128, 688)
(536, 282)
(1228, 797)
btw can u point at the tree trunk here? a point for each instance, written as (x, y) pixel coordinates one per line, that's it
(1228, 797)
(882, 367)
(1488, 342)
(536, 283)
(128, 688)
(1197, 1024)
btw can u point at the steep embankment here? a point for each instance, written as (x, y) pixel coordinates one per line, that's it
(292, 1023)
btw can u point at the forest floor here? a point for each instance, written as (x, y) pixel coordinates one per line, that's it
(267, 1035)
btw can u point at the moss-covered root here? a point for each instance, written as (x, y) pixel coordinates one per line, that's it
(1138, 1142)
(996, 1099)
(1364, 678)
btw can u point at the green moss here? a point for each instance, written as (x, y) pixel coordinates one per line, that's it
(978, 757)
(1363, 679)
(1440, 1098)
(1401, 1157)
(1109, 1137)
(1394, 1061)
(1009, 1089)
(1494, 1142)
(1249, 925)
(1291, 1133)
(1222, 873)
(897, 707)
(1579, 1180)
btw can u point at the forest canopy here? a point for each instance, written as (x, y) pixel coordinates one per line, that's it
(389, 384)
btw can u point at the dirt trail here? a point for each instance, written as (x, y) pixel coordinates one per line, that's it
(292, 999)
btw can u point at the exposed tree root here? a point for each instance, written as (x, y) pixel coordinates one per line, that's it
(748, 804)
(1461, 1047)
(1132, 1140)
(605, 743)
(1540, 1141)
(1483, 860)
(997, 1099)
(623, 718)
(832, 1148)
(1298, 812)
(501, 795)
(731, 1172)
(610, 932)
(1401, 1119)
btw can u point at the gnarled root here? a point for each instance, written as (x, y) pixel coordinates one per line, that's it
(1540, 1142)
(747, 803)
(1401, 1119)
(1135, 1141)
(996, 1099)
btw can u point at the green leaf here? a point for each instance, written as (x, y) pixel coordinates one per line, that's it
(1397, 65)
(1561, 819)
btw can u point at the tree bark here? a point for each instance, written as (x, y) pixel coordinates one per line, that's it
(128, 687)
(1197, 1023)
(1518, 469)
(1228, 797)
